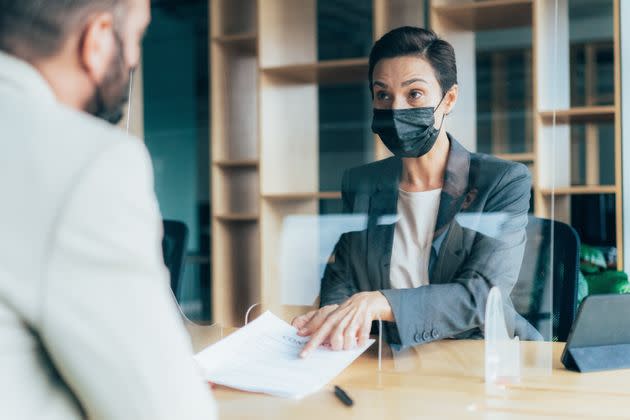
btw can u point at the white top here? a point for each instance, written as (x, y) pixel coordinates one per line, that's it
(84, 294)
(413, 238)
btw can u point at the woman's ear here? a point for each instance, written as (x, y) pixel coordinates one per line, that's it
(451, 99)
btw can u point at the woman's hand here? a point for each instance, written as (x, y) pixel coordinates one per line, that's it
(343, 325)
(300, 322)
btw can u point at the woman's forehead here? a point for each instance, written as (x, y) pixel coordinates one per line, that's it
(400, 69)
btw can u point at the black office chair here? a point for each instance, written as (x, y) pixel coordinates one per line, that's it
(529, 295)
(174, 246)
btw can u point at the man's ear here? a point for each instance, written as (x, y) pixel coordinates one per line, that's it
(451, 99)
(97, 45)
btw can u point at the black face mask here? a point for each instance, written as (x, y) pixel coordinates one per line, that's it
(407, 133)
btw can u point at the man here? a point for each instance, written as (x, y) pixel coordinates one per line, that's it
(87, 324)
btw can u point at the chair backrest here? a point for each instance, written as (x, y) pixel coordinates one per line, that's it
(174, 246)
(531, 295)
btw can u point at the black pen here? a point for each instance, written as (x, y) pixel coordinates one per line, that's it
(343, 397)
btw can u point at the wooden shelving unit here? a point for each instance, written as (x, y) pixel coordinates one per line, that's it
(303, 196)
(489, 14)
(517, 157)
(553, 154)
(236, 217)
(246, 43)
(322, 72)
(579, 190)
(245, 163)
(235, 159)
(556, 97)
(589, 114)
(267, 133)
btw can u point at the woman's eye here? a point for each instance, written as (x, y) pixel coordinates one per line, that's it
(415, 94)
(382, 96)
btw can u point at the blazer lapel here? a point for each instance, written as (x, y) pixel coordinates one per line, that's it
(456, 185)
(453, 199)
(451, 255)
(383, 214)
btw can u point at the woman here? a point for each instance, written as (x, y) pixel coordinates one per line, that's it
(427, 275)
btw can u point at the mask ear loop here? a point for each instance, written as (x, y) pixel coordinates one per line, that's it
(380, 344)
(130, 99)
(444, 114)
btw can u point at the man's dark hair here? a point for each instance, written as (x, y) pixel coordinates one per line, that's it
(37, 29)
(410, 41)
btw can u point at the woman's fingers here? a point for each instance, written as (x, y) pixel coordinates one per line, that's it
(337, 336)
(316, 321)
(351, 331)
(300, 321)
(364, 331)
(322, 333)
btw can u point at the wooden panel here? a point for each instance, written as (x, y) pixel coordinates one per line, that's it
(230, 17)
(552, 56)
(247, 42)
(580, 114)
(580, 190)
(289, 137)
(551, 91)
(332, 195)
(489, 14)
(517, 157)
(235, 153)
(234, 104)
(245, 163)
(237, 217)
(236, 191)
(391, 14)
(323, 72)
(287, 32)
(236, 265)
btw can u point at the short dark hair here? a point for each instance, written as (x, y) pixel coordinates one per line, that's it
(36, 29)
(411, 41)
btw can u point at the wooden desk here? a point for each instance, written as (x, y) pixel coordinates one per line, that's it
(438, 380)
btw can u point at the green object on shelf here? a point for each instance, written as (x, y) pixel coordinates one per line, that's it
(582, 291)
(608, 282)
(592, 260)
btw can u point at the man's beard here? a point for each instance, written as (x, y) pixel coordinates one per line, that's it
(111, 95)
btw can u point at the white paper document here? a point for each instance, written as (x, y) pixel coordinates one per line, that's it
(264, 357)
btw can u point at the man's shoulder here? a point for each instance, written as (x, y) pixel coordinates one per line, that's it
(61, 145)
(86, 133)
(74, 140)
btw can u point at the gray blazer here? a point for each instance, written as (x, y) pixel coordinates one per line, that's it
(468, 264)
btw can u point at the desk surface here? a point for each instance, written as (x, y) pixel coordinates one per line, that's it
(442, 379)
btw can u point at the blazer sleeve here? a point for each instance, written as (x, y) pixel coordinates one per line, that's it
(437, 311)
(337, 284)
(108, 320)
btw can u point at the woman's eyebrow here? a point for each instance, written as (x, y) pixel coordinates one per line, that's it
(379, 83)
(410, 81)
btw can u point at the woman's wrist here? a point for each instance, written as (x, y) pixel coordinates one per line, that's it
(384, 309)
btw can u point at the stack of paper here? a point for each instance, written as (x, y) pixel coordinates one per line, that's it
(264, 357)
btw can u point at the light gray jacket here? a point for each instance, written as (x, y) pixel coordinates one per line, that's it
(88, 327)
